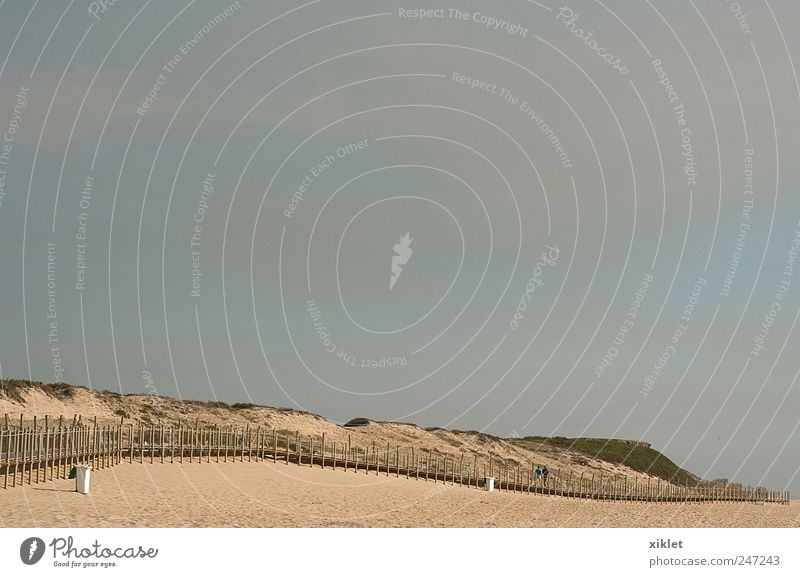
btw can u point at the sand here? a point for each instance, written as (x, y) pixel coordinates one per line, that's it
(107, 408)
(264, 494)
(35, 400)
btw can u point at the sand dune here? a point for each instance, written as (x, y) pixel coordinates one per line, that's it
(279, 495)
(109, 408)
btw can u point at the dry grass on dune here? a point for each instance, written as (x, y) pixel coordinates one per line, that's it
(108, 407)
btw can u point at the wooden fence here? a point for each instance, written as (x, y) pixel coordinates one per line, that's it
(46, 451)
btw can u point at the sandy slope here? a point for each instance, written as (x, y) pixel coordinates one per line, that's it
(279, 495)
(109, 408)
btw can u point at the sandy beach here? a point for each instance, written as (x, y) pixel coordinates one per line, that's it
(264, 494)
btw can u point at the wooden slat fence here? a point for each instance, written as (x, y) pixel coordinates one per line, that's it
(48, 450)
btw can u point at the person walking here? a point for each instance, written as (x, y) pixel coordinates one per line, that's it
(538, 473)
(545, 473)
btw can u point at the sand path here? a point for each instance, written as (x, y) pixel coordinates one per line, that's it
(280, 495)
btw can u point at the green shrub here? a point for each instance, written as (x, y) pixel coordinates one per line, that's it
(357, 422)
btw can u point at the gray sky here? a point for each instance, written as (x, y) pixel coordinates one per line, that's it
(601, 203)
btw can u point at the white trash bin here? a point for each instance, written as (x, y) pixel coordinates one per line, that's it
(488, 483)
(83, 478)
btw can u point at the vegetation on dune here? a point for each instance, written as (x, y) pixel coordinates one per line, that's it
(357, 422)
(218, 405)
(639, 458)
(11, 390)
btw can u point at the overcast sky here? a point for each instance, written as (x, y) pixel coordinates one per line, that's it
(600, 201)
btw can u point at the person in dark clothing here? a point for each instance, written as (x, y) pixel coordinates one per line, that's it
(545, 473)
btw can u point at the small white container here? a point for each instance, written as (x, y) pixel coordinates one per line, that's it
(83, 478)
(488, 483)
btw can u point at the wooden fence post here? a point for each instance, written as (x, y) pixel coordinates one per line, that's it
(91, 433)
(427, 465)
(33, 434)
(58, 447)
(96, 440)
(69, 454)
(61, 452)
(99, 446)
(46, 449)
(16, 457)
(299, 445)
(205, 437)
(42, 462)
(238, 444)
(55, 459)
(180, 441)
(23, 453)
(171, 445)
(29, 448)
(5, 441)
(216, 436)
(141, 442)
